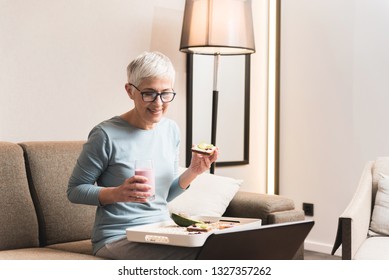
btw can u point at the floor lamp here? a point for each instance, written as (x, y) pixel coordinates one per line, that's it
(217, 27)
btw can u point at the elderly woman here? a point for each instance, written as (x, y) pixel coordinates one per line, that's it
(104, 173)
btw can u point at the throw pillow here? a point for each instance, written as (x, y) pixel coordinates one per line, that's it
(208, 195)
(380, 217)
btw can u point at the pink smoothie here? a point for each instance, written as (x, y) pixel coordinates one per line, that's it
(149, 174)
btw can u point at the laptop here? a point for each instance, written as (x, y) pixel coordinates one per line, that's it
(270, 242)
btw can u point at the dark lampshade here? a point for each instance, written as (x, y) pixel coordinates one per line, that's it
(222, 27)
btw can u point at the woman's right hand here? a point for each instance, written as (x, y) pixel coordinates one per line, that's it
(133, 189)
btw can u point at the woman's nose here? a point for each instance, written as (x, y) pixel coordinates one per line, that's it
(158, 100)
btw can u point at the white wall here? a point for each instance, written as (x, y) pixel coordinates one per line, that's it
(62, 69)
(63, 62)
(334, 96)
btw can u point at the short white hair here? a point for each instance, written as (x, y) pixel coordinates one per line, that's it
(150, 65)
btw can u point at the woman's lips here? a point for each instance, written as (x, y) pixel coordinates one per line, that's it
(155, 111)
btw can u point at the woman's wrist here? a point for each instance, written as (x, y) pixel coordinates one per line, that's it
(186, 178)
(107, 195)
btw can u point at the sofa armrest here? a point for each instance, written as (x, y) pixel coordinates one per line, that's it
(354, 222)
(269, 208)
(286, 216)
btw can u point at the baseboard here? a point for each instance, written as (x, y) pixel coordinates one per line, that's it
(321, 247)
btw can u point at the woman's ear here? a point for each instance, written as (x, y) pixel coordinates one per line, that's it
(129, 90)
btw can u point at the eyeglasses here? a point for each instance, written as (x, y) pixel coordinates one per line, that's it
(151, 96)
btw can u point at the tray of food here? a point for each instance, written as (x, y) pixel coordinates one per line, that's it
(189, 231)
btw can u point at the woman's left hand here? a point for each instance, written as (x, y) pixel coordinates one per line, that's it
(201, 163)
(198, 164)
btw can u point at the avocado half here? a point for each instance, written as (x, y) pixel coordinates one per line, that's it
(183, 221)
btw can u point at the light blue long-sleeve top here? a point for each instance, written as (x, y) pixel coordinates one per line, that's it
(107, 159)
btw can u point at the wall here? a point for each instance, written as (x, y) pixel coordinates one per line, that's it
(334, 69)
(62, 69)
(63, 62)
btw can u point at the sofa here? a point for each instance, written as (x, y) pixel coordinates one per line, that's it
(39, 222)
(363, 227)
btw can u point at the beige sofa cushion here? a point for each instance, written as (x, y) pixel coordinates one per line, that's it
(81, 247)
(50, 165)
(380, 217)
(43, 254)
(374, 248)
(381, 166)
(380, 197)
(19, 225)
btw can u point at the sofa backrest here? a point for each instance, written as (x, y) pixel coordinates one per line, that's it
(49, 166)
(18, 220)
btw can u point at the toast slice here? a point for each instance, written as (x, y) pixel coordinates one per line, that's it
(204, 148)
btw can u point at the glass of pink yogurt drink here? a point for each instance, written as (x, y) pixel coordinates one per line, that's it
(144, 167)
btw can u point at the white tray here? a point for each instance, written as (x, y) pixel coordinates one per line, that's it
(168, 233)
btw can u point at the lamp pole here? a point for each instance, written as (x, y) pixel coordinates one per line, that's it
(215, 101)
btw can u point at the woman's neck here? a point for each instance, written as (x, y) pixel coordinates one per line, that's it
(133, 119)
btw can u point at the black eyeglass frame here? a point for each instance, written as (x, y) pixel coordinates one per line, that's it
(156, 95)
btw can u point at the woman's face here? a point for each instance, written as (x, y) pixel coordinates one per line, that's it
(147, 114)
